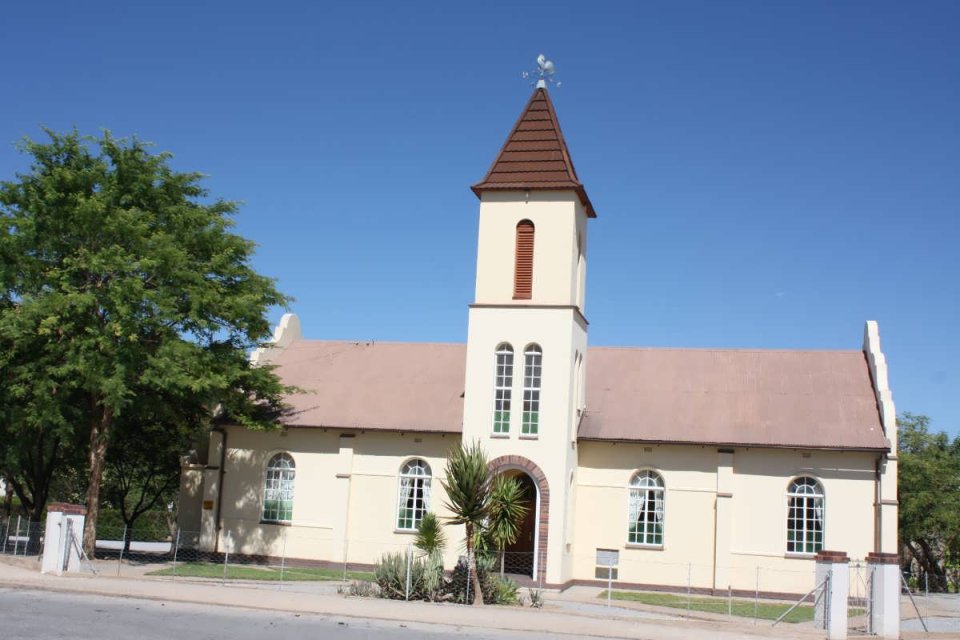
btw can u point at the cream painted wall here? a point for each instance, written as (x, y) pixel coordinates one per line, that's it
(557, 216)
(346, 490)
(560, 336)
(694, 508)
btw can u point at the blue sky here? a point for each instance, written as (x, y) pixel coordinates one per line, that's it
(765, 174)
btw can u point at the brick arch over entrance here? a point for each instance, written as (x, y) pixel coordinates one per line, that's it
(543, 490)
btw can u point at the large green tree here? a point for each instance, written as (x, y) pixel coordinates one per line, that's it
(121, 280)
(929, 496)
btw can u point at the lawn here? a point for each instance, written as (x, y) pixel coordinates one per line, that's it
(247, 572)
(744, 608)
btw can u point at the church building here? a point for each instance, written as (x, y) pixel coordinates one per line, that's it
(716, 468)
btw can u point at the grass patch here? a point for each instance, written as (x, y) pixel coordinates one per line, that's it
(247, 572)
(742, 608)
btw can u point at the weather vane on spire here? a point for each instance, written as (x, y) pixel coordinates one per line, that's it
(543, 73)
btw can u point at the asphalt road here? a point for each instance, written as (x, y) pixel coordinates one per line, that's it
(43, 615)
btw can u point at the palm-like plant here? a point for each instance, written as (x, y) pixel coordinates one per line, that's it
(507, 510)
(430, 536)
(468, 486)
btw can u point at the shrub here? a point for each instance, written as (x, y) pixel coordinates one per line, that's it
(391, 576)
(502, 591)
(358, 588)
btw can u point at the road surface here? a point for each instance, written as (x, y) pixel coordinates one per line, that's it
(44, 615)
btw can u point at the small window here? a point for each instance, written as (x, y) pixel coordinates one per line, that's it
(523, 265)
(804, 516)
(278, 489)
(503, 389)
(532, 373)
(414, 496)
(646, 509)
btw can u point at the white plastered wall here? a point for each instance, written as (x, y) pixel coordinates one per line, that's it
(711, 547)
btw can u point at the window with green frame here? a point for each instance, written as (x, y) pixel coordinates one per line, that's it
(645, 524)
(805, 516)
(503, 389)
(278, 489)
(532, 372)
(413, 500)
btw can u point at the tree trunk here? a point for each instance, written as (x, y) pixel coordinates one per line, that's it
(472, 574)
(99, 431)
(7, 497)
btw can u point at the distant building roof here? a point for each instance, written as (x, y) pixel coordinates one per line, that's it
(535, 155)
(800, 399)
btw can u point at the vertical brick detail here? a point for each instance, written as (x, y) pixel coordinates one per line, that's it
(543, 518)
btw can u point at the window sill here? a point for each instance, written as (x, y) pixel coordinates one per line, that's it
(648, 547)
(278, 523)
(500, 436)
(408, 532)
(796, 555)
(529, 436)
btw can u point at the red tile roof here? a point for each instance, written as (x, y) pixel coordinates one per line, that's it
(535, 155)
(800, 399)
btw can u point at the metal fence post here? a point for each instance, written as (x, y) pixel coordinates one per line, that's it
(730, 600)
(609, 581)
(226, 561)
(756, 598)
(283, 557)
(6, 535)
(346, 548)
(16, 539)
(176, 550)
(123, 543)
(466, 598)
(409, 559)
(689, 581)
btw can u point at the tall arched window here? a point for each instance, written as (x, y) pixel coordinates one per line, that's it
(523, 266)
(278, 489)
(414, 496)
(503, 389)
(804, 516)
(532, 370)
(646, 509)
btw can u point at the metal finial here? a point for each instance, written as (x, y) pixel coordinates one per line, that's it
(543, 73)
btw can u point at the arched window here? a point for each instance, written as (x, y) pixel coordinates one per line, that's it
(804, 516)
(532, 370)
(278, 489)
(646, 509)
(523, 266)
(503, 389)
(414, 497)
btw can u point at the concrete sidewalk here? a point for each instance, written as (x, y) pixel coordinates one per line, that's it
(556, 618)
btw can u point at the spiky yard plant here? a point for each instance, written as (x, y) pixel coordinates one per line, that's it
(430, 536)
(468, 485)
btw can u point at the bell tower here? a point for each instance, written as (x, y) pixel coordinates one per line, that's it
(527, 336)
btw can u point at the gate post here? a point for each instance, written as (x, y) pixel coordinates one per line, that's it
(60, 553)
(831, 613)
(884, 594)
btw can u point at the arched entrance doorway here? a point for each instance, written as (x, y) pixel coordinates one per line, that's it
(518, 557)
(533, 547)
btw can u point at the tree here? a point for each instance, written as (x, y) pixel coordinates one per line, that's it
(468, 486)
(120, 280)
(146, 451)
(929, 496)
(507, 510)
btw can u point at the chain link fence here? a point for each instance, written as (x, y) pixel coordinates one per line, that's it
(21, 536)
